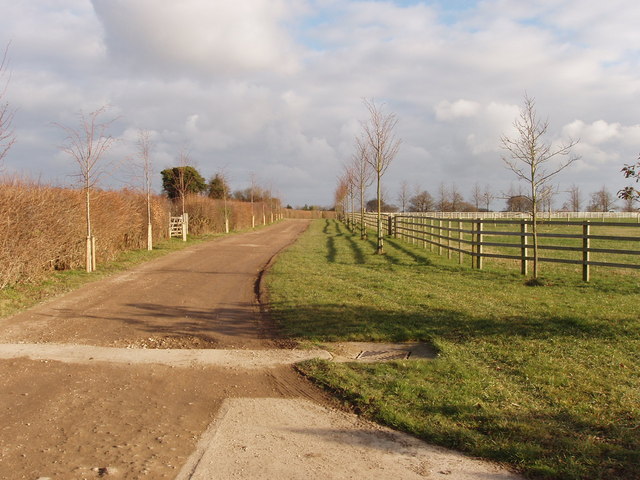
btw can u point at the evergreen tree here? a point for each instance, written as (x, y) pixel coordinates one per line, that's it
(218, 187)
(180, 181)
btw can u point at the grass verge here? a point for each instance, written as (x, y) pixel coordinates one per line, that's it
(22, 296)
(544, 379)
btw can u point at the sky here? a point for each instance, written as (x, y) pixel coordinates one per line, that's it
(275, 88)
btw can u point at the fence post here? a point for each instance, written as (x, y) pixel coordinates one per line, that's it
(449, 240)
(431, 234)
(585, 251)
(523, 249)
(479, 250)
(416, 230)
(439, 237)
(460, 237)
(474, 246)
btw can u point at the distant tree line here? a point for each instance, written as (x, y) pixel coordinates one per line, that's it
(182, 180)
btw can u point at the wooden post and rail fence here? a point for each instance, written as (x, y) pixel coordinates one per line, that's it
(586, 243)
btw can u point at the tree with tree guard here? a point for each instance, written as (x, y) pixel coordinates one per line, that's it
(144, 150)
(87, 144)
(219, 189)
(382, 147)
(528, 155)
(363, 177)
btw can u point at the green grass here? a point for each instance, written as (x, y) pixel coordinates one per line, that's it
(16, 298)
(546, 379)
(548, 227)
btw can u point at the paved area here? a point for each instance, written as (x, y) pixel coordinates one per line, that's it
(170, 371)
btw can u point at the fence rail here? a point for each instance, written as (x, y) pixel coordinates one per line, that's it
(614, 244)
(605, 216)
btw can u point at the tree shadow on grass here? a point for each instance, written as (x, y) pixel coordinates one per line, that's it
(416, 257)
(332, 252)
(539, 436)
(341, 321)
(340, 231)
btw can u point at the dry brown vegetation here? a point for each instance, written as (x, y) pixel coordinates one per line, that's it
(42, 227)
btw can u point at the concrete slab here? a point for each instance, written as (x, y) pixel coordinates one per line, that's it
(241, 359)
(277, 438)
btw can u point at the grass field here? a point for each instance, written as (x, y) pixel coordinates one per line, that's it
(498, 233)
(546, 379)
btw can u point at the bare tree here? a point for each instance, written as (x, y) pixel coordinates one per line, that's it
(144, 150)
(383, 145)
(186, 178)
(575, 198)
(182, 178)
(271, 203)
(443, 204)
(421, 202)
(222, 176)
(528, 156)
(253, 192)
(547, 194)
(404, 195)
(350, 179)
(363, 176)
(340, 196)
(87, 145)
(487, 197)
(602, 200)
(476, 195)
(7, 137)
(456, 199)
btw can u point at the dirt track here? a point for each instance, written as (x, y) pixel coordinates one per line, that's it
(88, 411)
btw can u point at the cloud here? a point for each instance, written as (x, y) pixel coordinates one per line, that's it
(276, 86)
(447, 111)
(199, 36)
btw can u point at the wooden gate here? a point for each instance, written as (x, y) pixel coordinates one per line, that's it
(179, 226)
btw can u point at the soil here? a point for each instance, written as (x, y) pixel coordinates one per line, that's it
(170, 369)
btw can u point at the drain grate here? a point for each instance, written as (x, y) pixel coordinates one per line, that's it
(383, 355)
(380, 352)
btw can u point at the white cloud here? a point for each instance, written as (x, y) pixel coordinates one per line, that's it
(198, 36)
(447, 111)
(596, 133)
(276, 86)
